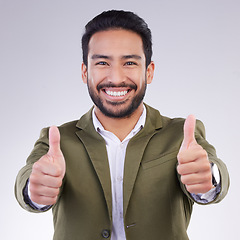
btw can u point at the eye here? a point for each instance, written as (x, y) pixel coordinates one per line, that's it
(130, 63)
(101, 63)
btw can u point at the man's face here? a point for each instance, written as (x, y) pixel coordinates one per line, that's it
(116, 74)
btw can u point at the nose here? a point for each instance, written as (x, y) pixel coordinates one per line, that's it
(116, 75)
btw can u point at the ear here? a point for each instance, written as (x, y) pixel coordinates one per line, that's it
(84, 73)
(150, 72)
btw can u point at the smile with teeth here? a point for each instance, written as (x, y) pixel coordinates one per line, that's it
(116, 93)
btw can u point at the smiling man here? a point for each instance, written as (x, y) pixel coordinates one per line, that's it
(123, 171)
(116, 75)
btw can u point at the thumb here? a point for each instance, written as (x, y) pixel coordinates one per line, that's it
(54, 141)
(189, 132)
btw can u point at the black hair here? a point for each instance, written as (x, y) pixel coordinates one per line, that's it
(118, 19)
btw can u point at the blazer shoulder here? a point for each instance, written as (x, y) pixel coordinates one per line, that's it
(68, 126)
(178, 123)
(160, 120)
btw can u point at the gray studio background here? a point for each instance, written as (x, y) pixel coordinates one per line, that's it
(197, 57)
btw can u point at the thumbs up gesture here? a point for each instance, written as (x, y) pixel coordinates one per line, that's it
(194, 166)
(48, 172)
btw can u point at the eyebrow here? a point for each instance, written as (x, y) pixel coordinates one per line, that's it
(97, 56)
(132, 56)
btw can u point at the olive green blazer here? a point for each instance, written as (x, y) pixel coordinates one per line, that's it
(156, 205)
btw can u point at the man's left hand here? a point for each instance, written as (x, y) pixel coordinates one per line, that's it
(194, 166)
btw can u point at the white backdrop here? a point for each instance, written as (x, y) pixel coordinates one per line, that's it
(197, 57)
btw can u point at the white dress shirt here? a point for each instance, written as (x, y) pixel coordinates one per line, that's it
(116, 151)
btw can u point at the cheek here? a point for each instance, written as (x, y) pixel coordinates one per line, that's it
(140, 79)
(92, 80)
(95, 77)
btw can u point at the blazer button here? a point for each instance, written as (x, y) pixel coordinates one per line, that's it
(105, 233)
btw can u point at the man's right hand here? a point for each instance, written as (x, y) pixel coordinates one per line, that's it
(48, 172)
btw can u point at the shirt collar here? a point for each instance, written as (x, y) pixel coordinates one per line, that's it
(140, 124)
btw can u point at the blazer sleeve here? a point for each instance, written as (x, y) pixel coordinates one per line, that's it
(40, 148)
(212, 156)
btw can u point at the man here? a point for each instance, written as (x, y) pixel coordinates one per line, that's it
(122, 171)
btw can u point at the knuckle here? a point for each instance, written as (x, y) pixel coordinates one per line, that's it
(200, 147)
(36, 166)
(207, 167)
(53, 192)
(181, 157)
(33, 179)
(179, 169)
(36, 198)
(203, 154)
(57, 171)
(189, 188)
(184, 179)
(207, 187)
(53, 200)
(59, 183)
(35, 189)
(209, 177)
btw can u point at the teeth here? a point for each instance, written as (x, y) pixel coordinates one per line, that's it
(116, 94)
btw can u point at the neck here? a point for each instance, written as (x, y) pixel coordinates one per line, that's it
(121, 127)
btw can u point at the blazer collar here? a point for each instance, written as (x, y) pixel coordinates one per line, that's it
(153, 121)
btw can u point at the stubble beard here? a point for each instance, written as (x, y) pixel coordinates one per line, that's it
(125, 112)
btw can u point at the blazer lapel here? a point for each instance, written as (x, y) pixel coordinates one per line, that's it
(135, 151)
(96, 149)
